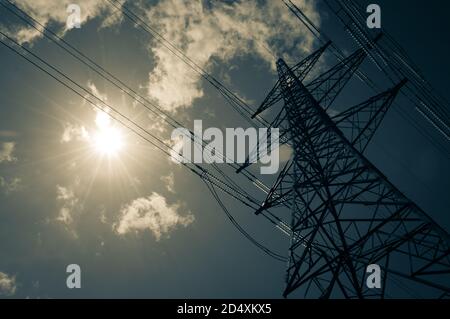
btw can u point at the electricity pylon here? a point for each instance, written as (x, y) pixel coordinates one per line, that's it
(345, 213)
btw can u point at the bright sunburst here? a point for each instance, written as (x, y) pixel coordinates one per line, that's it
(107, 140)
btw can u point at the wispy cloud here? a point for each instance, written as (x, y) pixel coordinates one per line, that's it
(103, 118)
(151, 213)
(8, 285)
(46, 11)
(6, 155)
(69, 204)
(10, 186)
(204, 30)
(219, 30)
(95, 91)
(6, 152)
(74, 133)
(169, 182)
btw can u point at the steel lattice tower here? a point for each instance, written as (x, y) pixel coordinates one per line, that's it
(345, 212)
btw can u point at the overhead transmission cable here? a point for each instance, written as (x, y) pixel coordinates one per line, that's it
(98, 69)
(236, 102)
(278, 222)
(401, 57)
(439, 117)
(135, 128)
(323, 38)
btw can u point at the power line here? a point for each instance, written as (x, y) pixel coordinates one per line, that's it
(213, 181)
(391, 65)
(239, 228)
(98, 69)
(321, 36)
(237, 103)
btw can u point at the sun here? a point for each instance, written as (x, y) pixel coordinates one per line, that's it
(107, 140)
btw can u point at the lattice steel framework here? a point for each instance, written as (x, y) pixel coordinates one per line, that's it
(345, 212)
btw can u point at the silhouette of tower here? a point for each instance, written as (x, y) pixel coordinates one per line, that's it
(345, 213)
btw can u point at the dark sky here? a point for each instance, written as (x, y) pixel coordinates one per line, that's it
(207, 258)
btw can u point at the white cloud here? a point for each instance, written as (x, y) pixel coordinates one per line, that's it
(151, 213)
(74, 133)
(222, 31)
(46, 11)
(103, 217)
(96, 91)
(69, 203)
(102, 119)
(176, 149)
(204, 30)
(8, 284)
(158, 125)
(6, 152)
(11, 185)
(169, 182)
